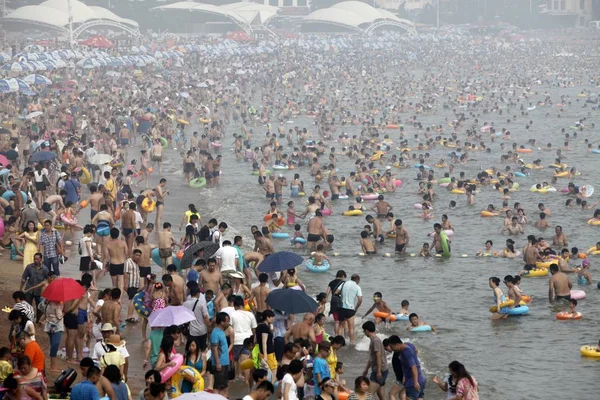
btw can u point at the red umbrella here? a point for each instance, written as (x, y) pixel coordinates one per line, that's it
(63, 289)
(98, 41)
(3, 160)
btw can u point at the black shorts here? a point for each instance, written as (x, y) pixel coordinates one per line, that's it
(71, 321)
(84, 263)
(400, 248)
(335, 196)
(145, 271)
(345, 314)
(221, 377)
(313, 238)
(126, 231)
(529, 267)
(567, 297)
(131, 291)
(116, 269)
(270, 196)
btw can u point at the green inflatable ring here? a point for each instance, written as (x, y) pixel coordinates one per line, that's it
(267, 172)
(198, 183)
(445, 245)
(164, 143)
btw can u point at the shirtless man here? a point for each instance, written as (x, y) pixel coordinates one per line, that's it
(316, 230)
(177, 280)
(542, 223)
(260, 293)
(211, 278)
(560, 239)
(437, 242)
(128, 226)
(161, 192)
(514, 228)
(222, 299)
(54, 200)
(311, 208)
(144, 263)
(117, 254)
(262, 244)
(563, 263)
(401, 237)
(157, 155)
(176, 293)
(334, 185)
(278, 187)
(377, 228)
(530, 253)
(302, 330)
(253, 260)
(96, 199)
(111, 309)
(559, 285)
(382, 207)
(269, 188)
(544, 209)
(165, 245)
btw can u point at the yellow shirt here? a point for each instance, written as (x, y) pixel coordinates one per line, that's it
(111, 188)
(332, 362)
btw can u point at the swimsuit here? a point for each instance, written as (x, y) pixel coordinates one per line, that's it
(313, 238)
(82, 316)
(116, 269)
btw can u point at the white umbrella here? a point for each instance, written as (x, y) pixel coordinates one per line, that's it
(33, 115)
(100, 159)
(171, 315)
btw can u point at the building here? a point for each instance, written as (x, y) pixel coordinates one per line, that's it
(570, 12)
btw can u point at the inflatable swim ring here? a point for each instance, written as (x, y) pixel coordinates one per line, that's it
(326, 212)
(577, 294)
(189, 374)
(593, 221)
(524, 150)
(445, 244)
(536, 272)
(565, 316)
(545, 264)
(139, 306)
(280, 167)
(458, 191)
(280, 235)
(85, 177)
(216, 145)
(257, 172)
(589, 351)
(355, 213)
(167, 373)
(421, 328)
(280, 219)
(68, 220)
(485, 213)
(316, 268)
(392, 317)
(520, 310)
(198, 182)
(164, 143)
(300, 240)
(148, 205)
(372, 196)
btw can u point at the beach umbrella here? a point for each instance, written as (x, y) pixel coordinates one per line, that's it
(280, 261)
(63, 289)
(12, 84)
(34, 48)
(171, 315)
(201, 396)
(33, 115)
(210, 248)
(15, 67)
(5, 57)
(4, 86)
(100, 159)
(41, 156)
(291, 301)
(21, 84)
(35, 79)
(38, 65)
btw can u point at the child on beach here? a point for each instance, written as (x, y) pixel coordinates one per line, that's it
(424, 252)
(298, 235)
(291, 213)
(381, 306)
(322, 302)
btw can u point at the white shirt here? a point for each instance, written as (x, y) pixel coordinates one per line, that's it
(292, 393)
(83, 246)
(139, 221)
(227, 255)
(100, 349)
(229, 311)
(243, 322)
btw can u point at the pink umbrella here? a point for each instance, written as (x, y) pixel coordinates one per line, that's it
(3, 160)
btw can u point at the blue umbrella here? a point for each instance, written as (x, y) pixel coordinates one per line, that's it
(42, 156)
(22, 85)
(291, 301)
(280, 261)
(4, 87)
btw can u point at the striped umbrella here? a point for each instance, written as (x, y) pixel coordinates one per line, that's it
(35, 79)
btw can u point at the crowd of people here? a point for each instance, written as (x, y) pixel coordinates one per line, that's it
(110, 150)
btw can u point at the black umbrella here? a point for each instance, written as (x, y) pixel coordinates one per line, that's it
(291, 301)
(280, 261)
(210, 248)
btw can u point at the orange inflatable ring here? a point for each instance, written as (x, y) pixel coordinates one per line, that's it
(280, 219)
(83, 204)
(179, 254)
(485, 213)
(565, 316)
(524, 150)
(392, 126)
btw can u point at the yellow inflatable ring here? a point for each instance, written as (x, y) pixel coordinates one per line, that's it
(594, 251)
(352, 213)
(485, 213)
(189, 374)
(148, 205)
(86, 177)
(507, 303)
(204, 120)
(591, 221)
(458, 191)
(589, 351)
(545, 264)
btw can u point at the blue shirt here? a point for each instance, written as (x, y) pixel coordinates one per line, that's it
(320, 367)
(409, 359)
(193, 275)
(218, 338)
(85, 390)
(71, 187)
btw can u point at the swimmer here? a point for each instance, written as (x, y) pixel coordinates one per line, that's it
(559, 285)
(514, 228)
(542, 223)
(499, 298)
(366, 244)
(319, 255)
(424, 252)
(583, 275)
(381, 306)
(382, 207)
(377, 228)
(572, 306)
(513, 293)
(415, 322)
(488, 251)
